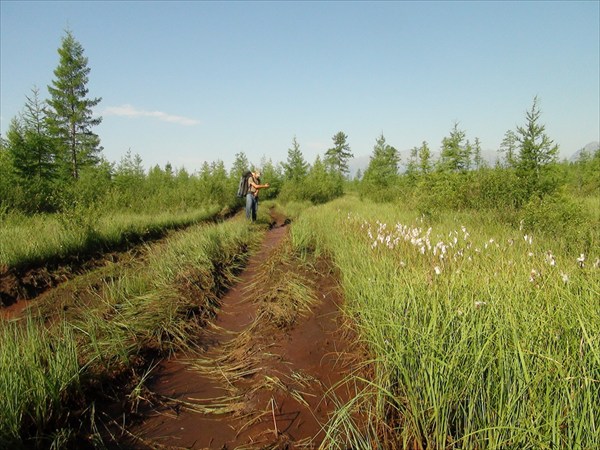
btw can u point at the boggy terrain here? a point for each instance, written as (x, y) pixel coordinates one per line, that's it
(271, 368)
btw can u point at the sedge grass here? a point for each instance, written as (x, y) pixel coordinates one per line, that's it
(154, 307)
(39, 372)
(36, 239)
(482, 337)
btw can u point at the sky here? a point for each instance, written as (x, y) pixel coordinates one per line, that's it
(186, 82)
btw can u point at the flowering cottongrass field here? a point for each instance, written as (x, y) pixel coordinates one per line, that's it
(482, 336)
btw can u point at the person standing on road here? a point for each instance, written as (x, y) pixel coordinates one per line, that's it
(254, 187)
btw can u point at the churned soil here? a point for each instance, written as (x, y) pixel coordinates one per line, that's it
(291, 379)
(252, 385)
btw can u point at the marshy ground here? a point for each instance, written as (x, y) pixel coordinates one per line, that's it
(268, 370)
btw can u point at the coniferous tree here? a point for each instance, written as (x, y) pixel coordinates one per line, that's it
(70, 115)
(295, 168)
(29, 142)
(320, 181)
(478, 160)
(270, 174)
(380, 181)
(336, 158)
(7, 180)
(537, 156)
(383, 165)
(455, 154)
(219, 189)
(424, 158)
(240, 165)
(32, 155)
(413, 163)
(509, 147)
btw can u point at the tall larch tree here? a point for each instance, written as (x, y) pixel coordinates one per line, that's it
(240, 165)
(455, 154)
(296, 167)
(537, 156)
(29, 142)
(424, 158)
(336, 158)
(383, 165)
(70, 116)
(509, 147)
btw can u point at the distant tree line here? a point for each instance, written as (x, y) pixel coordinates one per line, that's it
(527, 185)
(526, 170)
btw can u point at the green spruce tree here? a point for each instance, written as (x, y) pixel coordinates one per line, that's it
(456, 152)
(537, 158)
(240, 165)
(336, 158)
(70, 116)
(382, 171)
(295, 168)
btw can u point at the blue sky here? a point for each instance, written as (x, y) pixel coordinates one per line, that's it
(188, 82)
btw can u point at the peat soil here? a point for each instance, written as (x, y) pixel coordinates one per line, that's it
(255, 385)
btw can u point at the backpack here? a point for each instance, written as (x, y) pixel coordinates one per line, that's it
(243, 186)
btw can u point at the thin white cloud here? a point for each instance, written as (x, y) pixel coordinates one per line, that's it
(131, 111)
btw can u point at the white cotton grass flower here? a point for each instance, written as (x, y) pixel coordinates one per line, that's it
(437, 270)
(533, 275)
(565, 277)
(528, 239)
(581, 260)
(550, 259)
(479, 304)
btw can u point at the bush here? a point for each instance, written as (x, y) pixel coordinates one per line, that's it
(559, 215)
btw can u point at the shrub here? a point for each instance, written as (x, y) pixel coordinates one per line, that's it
(559, 215)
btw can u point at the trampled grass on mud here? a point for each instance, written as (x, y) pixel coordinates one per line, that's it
(157, 305)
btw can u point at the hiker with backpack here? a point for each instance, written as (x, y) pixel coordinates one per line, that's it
(250, 184)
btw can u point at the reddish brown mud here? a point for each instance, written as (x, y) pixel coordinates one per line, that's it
(291, 388)
(254, 385)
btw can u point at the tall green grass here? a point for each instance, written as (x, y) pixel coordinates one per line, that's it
(481, 336)
(154, 307)
(39, 373)
(36, 239)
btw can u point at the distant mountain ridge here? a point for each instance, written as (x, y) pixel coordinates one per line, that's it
(589, 148)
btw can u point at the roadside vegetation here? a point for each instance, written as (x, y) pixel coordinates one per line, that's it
(55, 368)
(482, 335)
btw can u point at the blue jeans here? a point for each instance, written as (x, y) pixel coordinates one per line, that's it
(251, 206)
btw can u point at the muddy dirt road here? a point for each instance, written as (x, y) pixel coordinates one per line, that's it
(256, 385)
(257, 381)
